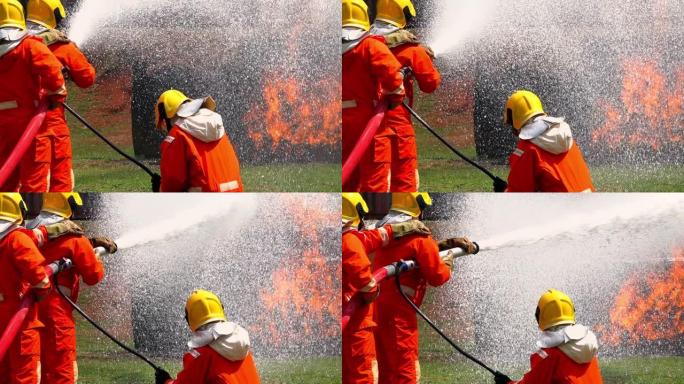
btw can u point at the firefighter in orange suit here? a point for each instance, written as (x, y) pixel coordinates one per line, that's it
(547, 158)
(396, 335)
(27, 67)
(58, 338)
(567, 351)
(359, 364)
(47, 166)
(219, 349)
(22, 266)
(396, 136)
(370, 75)
(196, 155)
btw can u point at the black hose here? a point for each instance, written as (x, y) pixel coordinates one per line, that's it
(454, 150)
(439, 331)
(114, 147)
(99, 328)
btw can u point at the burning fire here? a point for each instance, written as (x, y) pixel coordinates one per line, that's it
(649, 308)
(301, 302)
(291, 114)
(652, 110)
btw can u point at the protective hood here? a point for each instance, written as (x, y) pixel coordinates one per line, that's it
(35, 28)
(382, 28)
(227, 338)
(205, 125)
(551, 134)
(576, 341)
(44, 218)
(351, 37)
(394, 217)
(6, 227)
(10, 39)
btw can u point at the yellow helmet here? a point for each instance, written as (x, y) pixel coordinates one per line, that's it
(12, 206)
(48, 13)
(170, 102)
(203, 307)
(354, 208)
(521, 107)
(410, 203)
(554, 308)
(12, 14)
(355, 14)
(395, 12)
(61, 204)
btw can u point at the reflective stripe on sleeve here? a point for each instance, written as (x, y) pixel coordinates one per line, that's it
(229, 186)
(518, 152)
(384, 236)
(5, 105)
(43, 283)
(369, 287)
(347, 104)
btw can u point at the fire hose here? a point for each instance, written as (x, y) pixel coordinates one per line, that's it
(27, 301)
(99, 328)
(403, 266)
(499, 184)
(387, 272)
(109, 143)
(24, 142)
(364, 142)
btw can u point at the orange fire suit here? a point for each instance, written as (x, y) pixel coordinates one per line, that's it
(25, 71)
(358, 345)
(206, 366)
(557, 367)
(58, 339)
(21, 264)
(396, 336)
(396, 168)
(191, 165)
(536, 170)
(47, 166)
(368, 70)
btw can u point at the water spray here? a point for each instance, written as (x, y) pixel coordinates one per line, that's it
(499, 184)
(102, 251)
(111, 145)
(401, 267)
(27, 300)
(392, 270)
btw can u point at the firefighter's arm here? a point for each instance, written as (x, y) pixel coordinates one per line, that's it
(424, 71)
(173, 165)
(431, 266)
(80, 69)
(46, 66)
(357, 266)
(195, 369)
(386, 68)
(29, 261)
(542, 367)
(88, 265)
(522, 177)
(374, 239)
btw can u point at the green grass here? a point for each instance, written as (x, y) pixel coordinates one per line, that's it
(97, 168)
(102, 362)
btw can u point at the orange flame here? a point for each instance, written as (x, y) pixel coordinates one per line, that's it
(290, 114)
(651, 112)
(649, 308)
(302, 300)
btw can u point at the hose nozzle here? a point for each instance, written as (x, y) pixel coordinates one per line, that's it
(100, 251)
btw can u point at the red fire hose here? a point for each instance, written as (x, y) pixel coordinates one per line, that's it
(364, 141)
(379, 275)
(27, 302)
(24, 142)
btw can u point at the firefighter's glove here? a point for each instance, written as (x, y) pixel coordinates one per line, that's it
(411, 227)
(449, 259)
(500, 378)
(161, 376)
(458, 242)
(66, 227)
(400, 37)
(105, 243)
(156, 183)
(500, 185)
